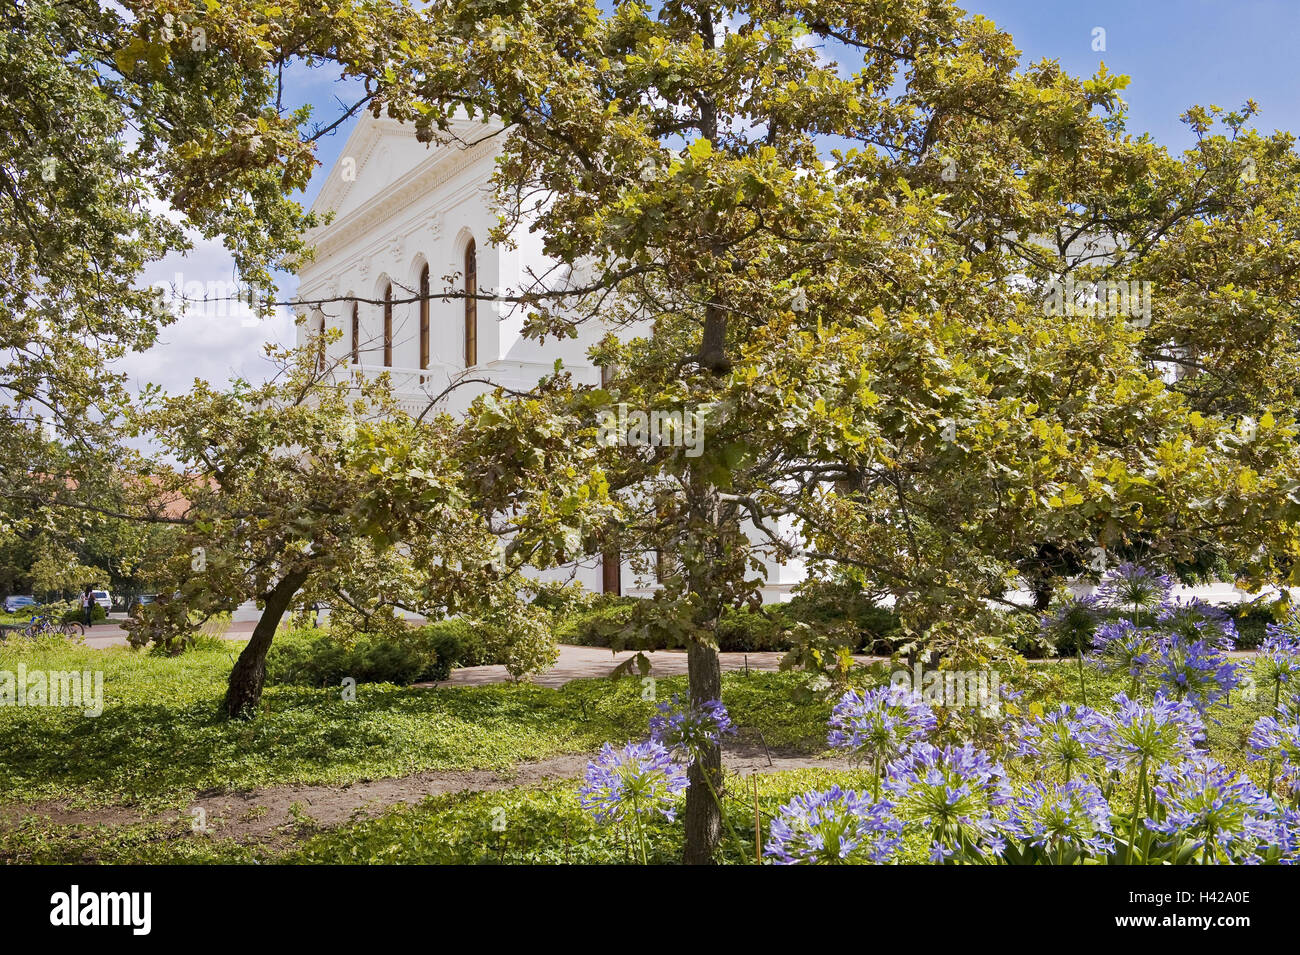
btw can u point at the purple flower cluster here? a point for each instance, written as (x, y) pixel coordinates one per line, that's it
(688, 729)
(1277, 740)
(1162, 731)
(1184, 649)
(832, 827)
(1060, 817)
(638, 779)
(1132, 587)
(1279, 840)
(952, 792)
(1071, 622)
(879, 725)
(1205, 805)
(1196, 670)
(1278, 664)
(1068, 739)
(1123, 647)
(1195, 620)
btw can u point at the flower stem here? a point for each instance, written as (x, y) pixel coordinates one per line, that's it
(1138, 802)
(640, 830)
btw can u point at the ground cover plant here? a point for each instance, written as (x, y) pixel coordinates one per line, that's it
(1152, 769)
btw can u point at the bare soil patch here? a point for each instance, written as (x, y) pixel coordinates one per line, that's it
(269, 815)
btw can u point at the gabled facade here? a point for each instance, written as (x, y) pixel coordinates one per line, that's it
(409, 216)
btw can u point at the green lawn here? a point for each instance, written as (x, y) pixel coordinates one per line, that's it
(160, 742)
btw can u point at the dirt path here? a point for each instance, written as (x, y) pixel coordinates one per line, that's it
(267, 815)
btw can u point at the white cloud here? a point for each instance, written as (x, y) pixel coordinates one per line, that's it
(215, 342)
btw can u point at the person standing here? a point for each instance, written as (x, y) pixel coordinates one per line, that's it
(88, 606)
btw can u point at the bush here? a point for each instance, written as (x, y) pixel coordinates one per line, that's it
(595, 626)
(315, 657)
(752, 631)
(73, 612)
(1252, 619)
(844, 607)
(742, 630)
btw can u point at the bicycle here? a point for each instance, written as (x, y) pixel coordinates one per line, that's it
(41, 625)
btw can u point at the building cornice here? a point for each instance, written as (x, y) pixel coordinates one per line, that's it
(442, 165)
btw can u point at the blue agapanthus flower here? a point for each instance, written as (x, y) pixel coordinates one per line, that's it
(1123, 647)
(1132, 587)
(1195, 670)
(951, 792)
(1277, 665)
(639, 779)
(1277, 739)
(1206, 805)
(1279, 839)
(1059, 817)
(1165, 730)
(689, 729)
(1195, 619)
(1282, 643)
(1071, 623)
(879, 725)
(832, 827)
(1069, 739)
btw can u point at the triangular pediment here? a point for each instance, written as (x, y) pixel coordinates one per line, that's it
(380, 155)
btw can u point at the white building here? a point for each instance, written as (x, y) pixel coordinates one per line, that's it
(410, 217)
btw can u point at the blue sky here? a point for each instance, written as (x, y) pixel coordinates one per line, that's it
(1178, 53)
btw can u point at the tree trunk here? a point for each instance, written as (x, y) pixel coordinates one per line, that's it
(1042, 594)
(244, 692)
(703, 815)
(704, 670)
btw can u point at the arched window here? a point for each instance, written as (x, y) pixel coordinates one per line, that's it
(388, 325)
(471, 305)
(424, 317)
(356, 335)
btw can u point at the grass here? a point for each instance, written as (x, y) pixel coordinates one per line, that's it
(525, 825)
(160, 739)
(160, 742)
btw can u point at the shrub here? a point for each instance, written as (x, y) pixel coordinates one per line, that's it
(857, 622)
(314, 657)
(752, 631)
(596, 625)
(69, 611)
(844, 607)
(1252, 618)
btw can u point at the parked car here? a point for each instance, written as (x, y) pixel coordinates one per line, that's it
(141, 601)
(103, 598)
(17, 602)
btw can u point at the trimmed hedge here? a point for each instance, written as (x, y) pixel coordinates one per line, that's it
(315, 658)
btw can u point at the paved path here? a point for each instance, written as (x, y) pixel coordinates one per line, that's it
(575, 663)
(580, 663)
(111, 634)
